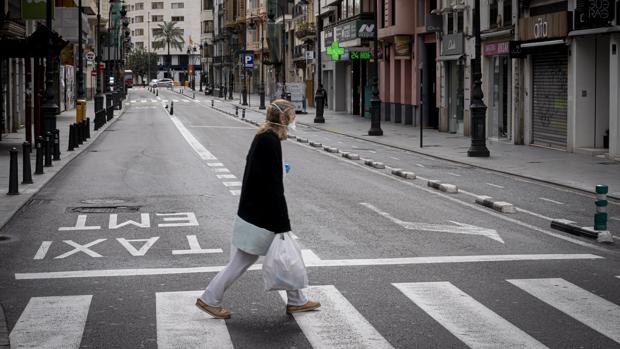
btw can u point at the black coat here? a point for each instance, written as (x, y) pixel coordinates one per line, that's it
(262, 201)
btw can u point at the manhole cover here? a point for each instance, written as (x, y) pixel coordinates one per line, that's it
(103, 209)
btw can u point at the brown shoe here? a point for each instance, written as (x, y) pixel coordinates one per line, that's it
(310, 305)
(216, 312)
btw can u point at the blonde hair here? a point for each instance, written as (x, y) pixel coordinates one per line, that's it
(280, 113)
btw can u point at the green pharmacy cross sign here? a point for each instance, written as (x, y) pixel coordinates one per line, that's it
(335, 51)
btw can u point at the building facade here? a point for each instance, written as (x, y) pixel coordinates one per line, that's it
(146, 17)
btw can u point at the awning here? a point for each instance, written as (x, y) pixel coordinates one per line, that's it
(542, 43)
(449, 58)
(595, 31)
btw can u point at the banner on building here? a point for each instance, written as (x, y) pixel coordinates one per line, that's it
(402, 47)
(35, 9)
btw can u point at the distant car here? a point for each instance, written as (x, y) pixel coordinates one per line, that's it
(153, 83)
(165, 82)
(128, 83)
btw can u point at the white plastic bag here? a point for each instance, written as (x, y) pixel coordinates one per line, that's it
(283, 267)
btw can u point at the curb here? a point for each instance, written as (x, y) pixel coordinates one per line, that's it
(375, 164)
(350, 156)
(447, 188)
(315, 144)
(459, 162)
(404, 174)
(302, 140)
(330, 149)
(77, 152)
(571, 227)
(4, 331)
(500, 206)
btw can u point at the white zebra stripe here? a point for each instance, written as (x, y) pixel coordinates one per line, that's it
(51, 322)
(337, 324)
(180, 324)
(593, 311)
(467, 319)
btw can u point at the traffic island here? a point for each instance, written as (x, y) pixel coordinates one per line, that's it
(447, 188)
(499, 206)
(571, 227)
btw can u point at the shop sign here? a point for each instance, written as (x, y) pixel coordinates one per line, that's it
(515, 50)
(497, 48)
(359, 55)
(595, 14)
(402, 47)
(452, 44)
(434, 23)
(359, 29)
(335, 51)
(35, 9)
(552, 25)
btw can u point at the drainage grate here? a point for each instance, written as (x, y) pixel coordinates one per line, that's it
(103, 209)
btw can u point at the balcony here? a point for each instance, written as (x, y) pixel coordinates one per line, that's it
(257, 13)
(305, 31)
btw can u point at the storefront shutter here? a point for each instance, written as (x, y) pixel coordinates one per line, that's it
(549, 102)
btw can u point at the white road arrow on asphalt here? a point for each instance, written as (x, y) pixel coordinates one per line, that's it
(458, 228)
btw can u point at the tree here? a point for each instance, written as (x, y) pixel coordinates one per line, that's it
(169, 35)
(138, 62)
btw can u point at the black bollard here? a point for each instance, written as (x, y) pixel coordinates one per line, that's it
(157, 92)
(243, 113)
(13, 189)
(39, 160)
(171, 108)
(56, 145)
(79, 130)
(83, 129)
(236, 111)
(212, 103)
(76, 143)
(87, 128)
(48, 149)
(71, 139)
(27, 169)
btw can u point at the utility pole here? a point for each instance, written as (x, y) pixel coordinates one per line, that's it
(49, 107)
(375, 101)
(80, 78)
(319, 98)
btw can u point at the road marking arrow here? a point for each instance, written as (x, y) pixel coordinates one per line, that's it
(458, 228)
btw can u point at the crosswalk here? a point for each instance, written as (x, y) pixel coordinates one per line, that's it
(152, 100)
(59, 321)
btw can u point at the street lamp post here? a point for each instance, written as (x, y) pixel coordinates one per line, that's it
(478, 108)
(49, 107)
(80, 78)
(244, 91)
(261, 89)
(99, 96)
(319, 98)
(283, 62)
(375, 100)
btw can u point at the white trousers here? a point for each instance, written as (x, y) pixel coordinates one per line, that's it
(238, 264)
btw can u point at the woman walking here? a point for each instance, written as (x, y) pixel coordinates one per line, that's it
(262, 212)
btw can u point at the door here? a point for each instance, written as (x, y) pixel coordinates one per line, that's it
(500, 123)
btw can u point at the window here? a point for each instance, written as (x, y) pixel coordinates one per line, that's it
(450, 23)
(139, 19)
(157, 31)
(139, 44)
(157, 18)
(177, 5)
(459, 22)
(207, 4)
(139, 6)
(138, 32)
(493, 13)
(393, 11)
(178, 18)
(157, 5)
(207, 26)
(507, 15)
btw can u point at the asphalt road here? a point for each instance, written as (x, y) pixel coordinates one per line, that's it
(112, 253)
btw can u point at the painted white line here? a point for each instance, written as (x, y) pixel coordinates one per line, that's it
(337, 324)
(467, 319)
(453, 174)
(180, 324)
(133, 101)
(420, 165)
(394, 158)
(495, 185)
(226, 176)
(552, 201)
(153, 100)
(194, 247)
(232, 184)
(615, 218)
(45, 246)
(185, 100)
(235, 192)
(311, 260)
(221, 170)
(215, 164)
(175, 100)
(193, 142)
(143, 101)
(51, 322)
(534, 214)
(593, 311)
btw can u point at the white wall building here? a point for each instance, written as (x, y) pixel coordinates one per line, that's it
(146, 16)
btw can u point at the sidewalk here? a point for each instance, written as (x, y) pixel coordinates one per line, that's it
(571, 170)
(11, 204)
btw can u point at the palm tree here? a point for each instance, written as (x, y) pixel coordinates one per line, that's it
(169, 35)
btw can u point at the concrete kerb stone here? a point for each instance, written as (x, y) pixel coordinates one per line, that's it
(447, 188)
(315, 144)
(292, 136)
(403, 174)
(500, 206)
(351, 156)
(330, 149)
(375, 164)
(302, 140)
